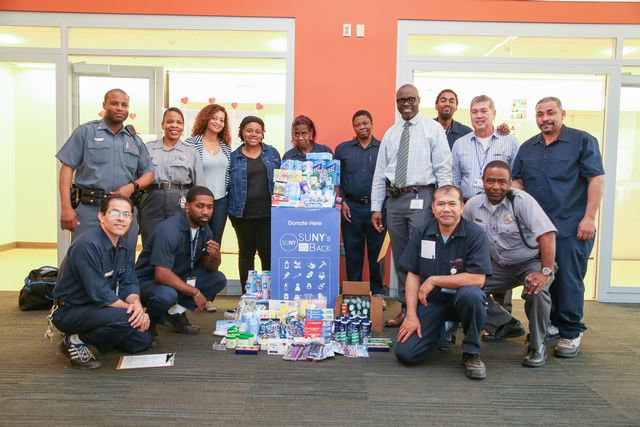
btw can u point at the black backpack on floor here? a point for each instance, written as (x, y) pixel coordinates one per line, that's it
(37, 292)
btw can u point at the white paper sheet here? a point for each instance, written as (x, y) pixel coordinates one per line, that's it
(146, 361)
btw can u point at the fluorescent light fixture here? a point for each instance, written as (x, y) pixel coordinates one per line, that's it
(38, 65)
(10, 39)
(625, 51)
(279, 45)
(451, 48)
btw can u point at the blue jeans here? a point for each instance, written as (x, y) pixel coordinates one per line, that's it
(158, 298)
(467, 306)
(567, 289)
(354, 235)
(219, 218)
(103, 327)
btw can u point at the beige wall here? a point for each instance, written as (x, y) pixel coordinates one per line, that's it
(7, 159)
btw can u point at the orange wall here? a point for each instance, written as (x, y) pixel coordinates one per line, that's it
(335, 76)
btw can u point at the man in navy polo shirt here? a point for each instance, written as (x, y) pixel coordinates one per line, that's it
(446, 106)
(358, 163)
(447, 261)
(178, 266)
(562, 169)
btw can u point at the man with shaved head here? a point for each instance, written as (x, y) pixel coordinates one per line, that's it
(414, 158)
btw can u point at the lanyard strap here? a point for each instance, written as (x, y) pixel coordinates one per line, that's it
(194, 245)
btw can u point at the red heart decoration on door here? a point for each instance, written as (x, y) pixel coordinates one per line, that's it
(259, 106)
(132, 116)
(212, 100)
(184, 100)
(101, 114)
(234, 105)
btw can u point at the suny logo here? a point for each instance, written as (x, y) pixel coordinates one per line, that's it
(288, 242)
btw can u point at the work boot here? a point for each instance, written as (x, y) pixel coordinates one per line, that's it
(179, 323)
(474, 366)
(535, 357)
(78, 353)
(511, 329)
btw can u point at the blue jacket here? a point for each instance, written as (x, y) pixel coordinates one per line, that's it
(238, 176)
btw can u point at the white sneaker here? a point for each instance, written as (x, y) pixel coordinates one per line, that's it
(568, 347)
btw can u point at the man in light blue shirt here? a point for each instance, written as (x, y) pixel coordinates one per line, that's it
(472, 152)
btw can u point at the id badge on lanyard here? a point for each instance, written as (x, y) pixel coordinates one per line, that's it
(417, 203)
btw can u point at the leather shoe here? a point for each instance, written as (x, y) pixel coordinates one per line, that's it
(511, 329)
(535, 357)
(474, 366)
(396, 321)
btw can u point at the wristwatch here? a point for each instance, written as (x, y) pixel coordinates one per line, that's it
(547, 271)
(136, 186)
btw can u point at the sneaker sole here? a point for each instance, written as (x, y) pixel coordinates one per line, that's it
(475, 376)
(562, 355)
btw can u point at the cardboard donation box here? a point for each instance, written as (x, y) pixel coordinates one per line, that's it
(353, 293)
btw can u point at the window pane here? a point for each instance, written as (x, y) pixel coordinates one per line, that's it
(626, 224)
(510, 46)
(200, 40)
(21, 36)
(631, 49)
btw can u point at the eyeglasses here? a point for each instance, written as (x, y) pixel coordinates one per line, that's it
(115, 213)
(410, 100)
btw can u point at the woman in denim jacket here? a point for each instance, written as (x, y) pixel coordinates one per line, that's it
(250, 189)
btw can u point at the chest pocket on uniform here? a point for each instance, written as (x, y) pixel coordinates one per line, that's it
(131, 155)
(180, 171)
(508, 229)
(99, 152)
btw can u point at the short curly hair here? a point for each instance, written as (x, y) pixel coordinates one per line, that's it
(202, 120)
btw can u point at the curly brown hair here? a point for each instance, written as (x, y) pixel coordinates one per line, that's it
(202, 120)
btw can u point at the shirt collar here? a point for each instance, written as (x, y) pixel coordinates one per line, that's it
(102, 125)
(433, 229)
(184, 222)
(374, 142)
(563, 136)
(487, 204)
(105, 241)
(493, 135)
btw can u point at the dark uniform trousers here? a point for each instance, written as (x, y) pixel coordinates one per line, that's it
(105, 328)
(156, 206)
(158, 298)
(467, 306)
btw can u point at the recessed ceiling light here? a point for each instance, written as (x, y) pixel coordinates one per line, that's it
(451, 48)
(10, 39)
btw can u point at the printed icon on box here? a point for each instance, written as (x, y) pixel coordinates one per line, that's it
(297, 265)
(310, 275)
(311, 265)
(309, 286)
(321, 286)
(321, 275)
(285, 296)
(297, 275)
(285, 287)
(322, 264)
(286, 264)
(287, 274)
(297, 289)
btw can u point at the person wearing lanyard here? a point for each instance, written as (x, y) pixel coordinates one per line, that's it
(447, 261)
(250, 189)
(358, 162)
(414, 157)
(178, 168)
(178, 266)
(97, 298)
(211, 137)
(303, 139)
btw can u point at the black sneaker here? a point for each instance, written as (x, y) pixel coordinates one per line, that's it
(511, 329)
(78, 354)
(179, 323)
(474, 366)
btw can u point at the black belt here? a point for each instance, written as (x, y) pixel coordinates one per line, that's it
(169, 186)
(417, 187)
(363, 200)
(91, 196)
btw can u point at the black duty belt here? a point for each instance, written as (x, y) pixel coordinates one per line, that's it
(91, 196)
(169, 186)
(362, 200)
(417, 187)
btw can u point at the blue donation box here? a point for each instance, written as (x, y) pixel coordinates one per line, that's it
(305, 253)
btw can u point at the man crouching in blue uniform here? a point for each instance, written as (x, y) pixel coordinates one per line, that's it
(178, 266)
(97, 299)
(447, 261)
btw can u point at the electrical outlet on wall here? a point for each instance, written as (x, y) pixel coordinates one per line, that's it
(346, 30)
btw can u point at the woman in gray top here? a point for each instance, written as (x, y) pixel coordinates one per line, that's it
(177, 168)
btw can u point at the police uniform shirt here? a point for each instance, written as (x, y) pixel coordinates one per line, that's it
(357, 166)
(426, 254)
(505, 243)
(104, 160)
(295, 154)
(170, 247)
(556, 175)
(179, 164)
(94, 270)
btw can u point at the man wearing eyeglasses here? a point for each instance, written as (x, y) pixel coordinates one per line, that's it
(97, 299)
(414, 158)
(101, 157)
(178, 266)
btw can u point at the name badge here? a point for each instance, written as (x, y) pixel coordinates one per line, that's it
(98, 139)
(191, 281)
(108, 274)
(428, 249)
(416, 204)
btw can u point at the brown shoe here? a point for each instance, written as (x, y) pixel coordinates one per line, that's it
(396, 321)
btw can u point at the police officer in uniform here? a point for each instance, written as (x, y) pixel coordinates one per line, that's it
(178, 266)
(97, 299)
(107, 159)
(447, 260)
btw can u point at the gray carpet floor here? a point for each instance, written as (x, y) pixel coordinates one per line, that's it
(206, 387)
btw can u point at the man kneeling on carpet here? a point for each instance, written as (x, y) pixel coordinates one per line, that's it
(178, 266)
(97, 299)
